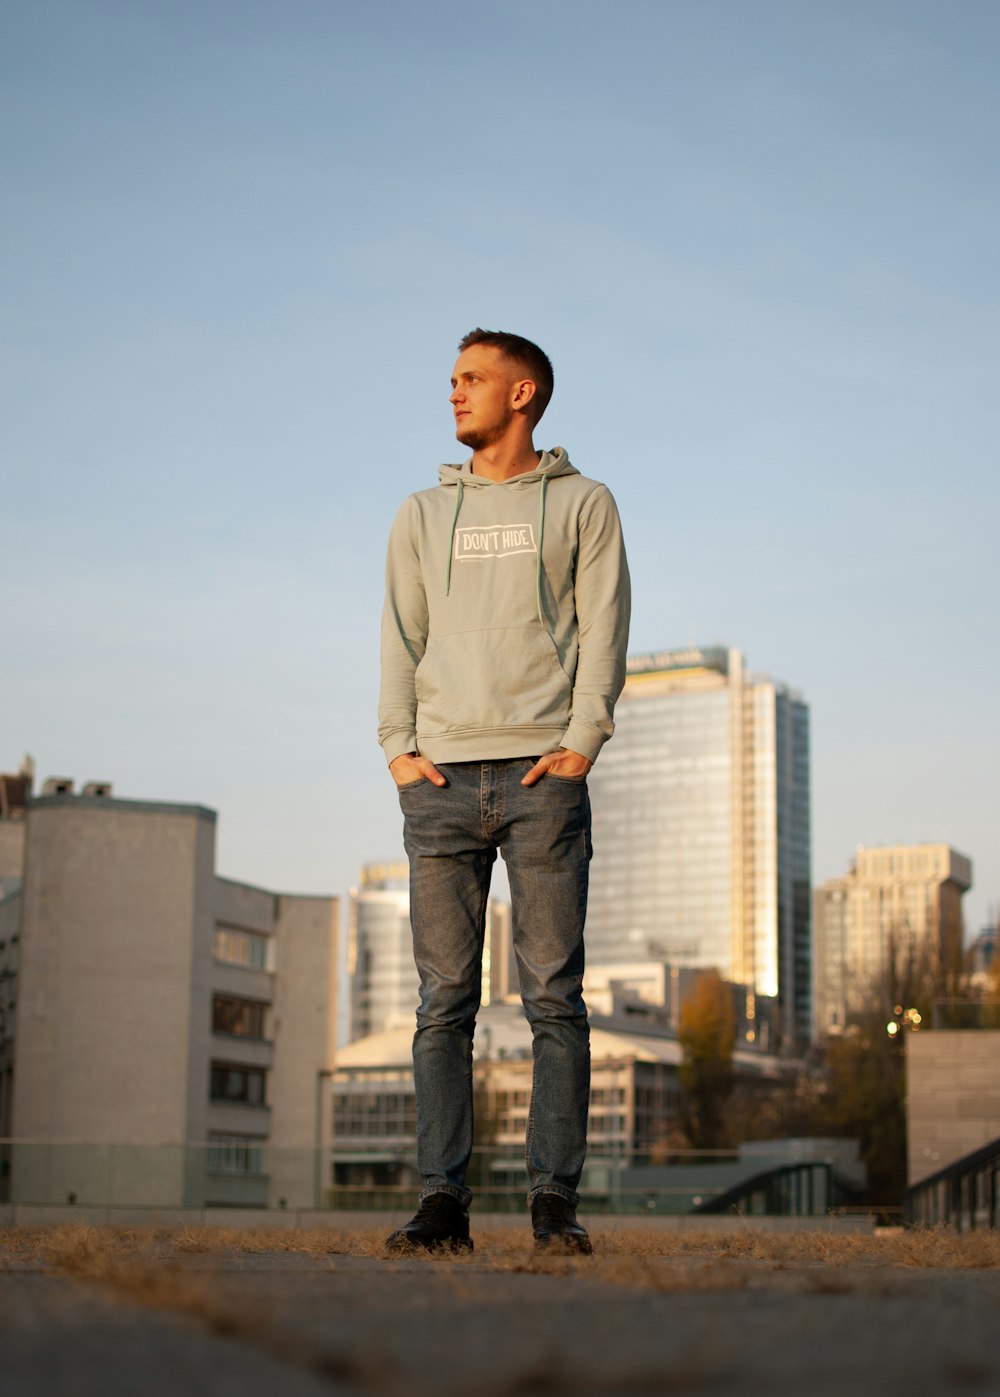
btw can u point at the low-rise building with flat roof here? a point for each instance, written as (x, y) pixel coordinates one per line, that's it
(634, 1102)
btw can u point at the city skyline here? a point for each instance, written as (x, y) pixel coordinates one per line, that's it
(241, 247)
(391, 868)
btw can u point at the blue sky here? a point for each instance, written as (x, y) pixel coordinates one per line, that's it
(241, 241)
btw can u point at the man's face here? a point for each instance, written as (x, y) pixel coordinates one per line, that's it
(482, 396)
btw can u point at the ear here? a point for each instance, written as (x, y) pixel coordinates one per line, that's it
(522, 392)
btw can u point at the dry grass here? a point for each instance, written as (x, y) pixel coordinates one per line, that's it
(135, 1264)
(109, 1253)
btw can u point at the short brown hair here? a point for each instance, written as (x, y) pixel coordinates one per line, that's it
(522, 352)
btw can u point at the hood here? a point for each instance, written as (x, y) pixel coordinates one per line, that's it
(553, 463)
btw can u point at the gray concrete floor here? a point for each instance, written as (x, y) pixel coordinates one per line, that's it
(291, 1324)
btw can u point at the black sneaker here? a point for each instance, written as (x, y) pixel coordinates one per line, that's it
(553, 1221)
(440, 1221)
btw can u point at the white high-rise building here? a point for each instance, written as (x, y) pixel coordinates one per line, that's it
(384, 985)
(702, 828)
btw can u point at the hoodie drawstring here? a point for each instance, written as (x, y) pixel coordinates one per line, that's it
(451, 541)
(538, 561)
(539, 571)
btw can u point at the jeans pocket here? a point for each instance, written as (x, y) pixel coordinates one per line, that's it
(567, 780)
(409, 785)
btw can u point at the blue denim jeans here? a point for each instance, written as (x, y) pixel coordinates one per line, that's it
(452, 835)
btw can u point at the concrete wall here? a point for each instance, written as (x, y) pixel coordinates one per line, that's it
(103, 1017)
(953, 1096)
(305, 1033)
(10, 926)
(11, 848)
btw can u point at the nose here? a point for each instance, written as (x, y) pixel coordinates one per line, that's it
(456, 395)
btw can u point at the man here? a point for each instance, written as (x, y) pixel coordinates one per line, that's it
(503, 652)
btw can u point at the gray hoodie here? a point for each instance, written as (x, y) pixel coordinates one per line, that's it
(506, 616)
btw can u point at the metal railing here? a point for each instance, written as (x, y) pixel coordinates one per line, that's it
(965, 1014)
(228, 1174)
(963, 1195)
(812, 1188)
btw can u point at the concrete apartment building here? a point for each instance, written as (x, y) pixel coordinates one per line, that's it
(384, 985)
(15, 791)
(702, 830)
(172, 1027)
(898, 900)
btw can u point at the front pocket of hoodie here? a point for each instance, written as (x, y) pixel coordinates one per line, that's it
(504, 678)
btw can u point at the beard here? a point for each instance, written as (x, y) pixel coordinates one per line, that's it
(476, 441)
(479, 438)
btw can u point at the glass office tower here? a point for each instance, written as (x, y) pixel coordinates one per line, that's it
(384, 984)
(701, 828)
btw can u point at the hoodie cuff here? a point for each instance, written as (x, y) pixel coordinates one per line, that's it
(399, 744)
(583, 738)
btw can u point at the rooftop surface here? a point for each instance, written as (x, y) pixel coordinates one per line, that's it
(714, 1311)
(503, 1029)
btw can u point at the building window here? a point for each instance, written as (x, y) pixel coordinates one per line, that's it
(375, 1114)
(237, 946)
(235, 1154)
(244, 1018)
(243, 1085)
